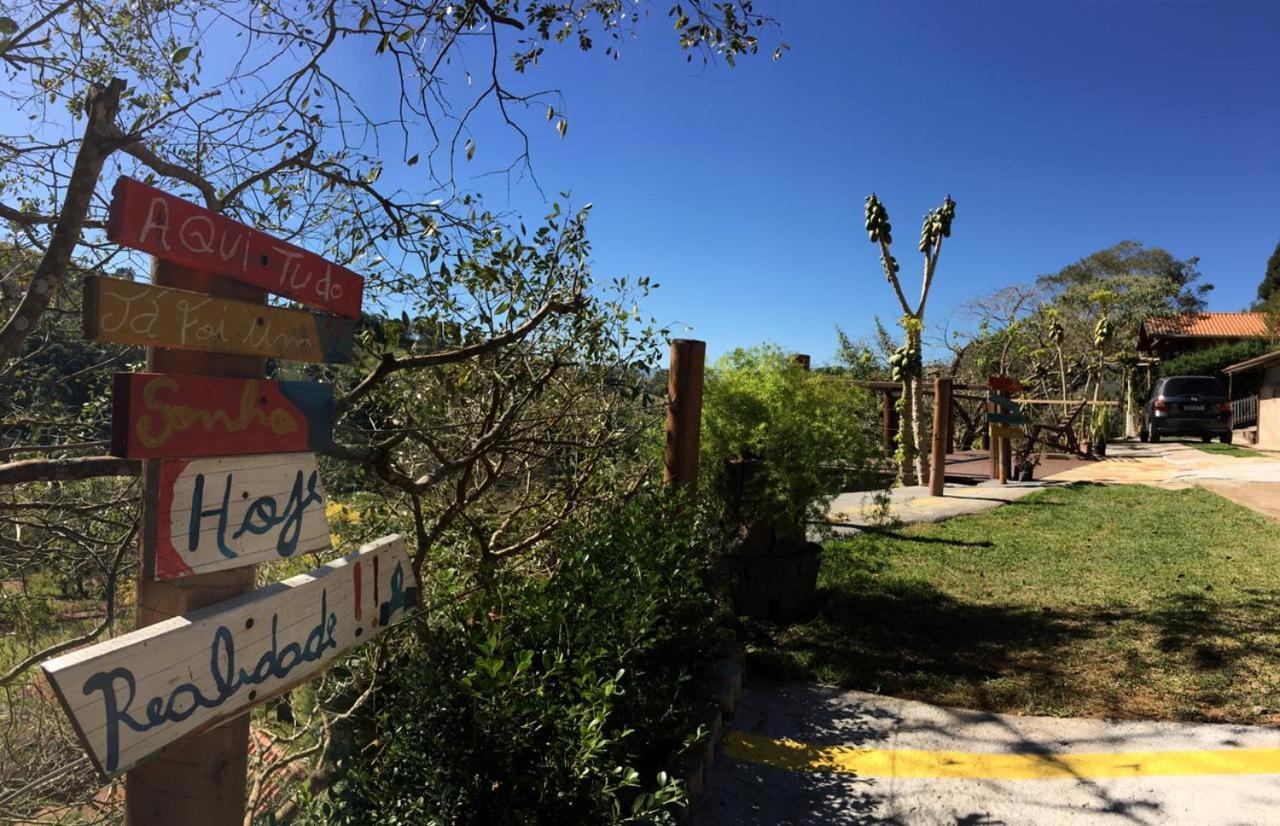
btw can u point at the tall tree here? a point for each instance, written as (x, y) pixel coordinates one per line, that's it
(1269, 289)
(907, 363)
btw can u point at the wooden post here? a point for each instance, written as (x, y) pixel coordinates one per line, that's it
(684, 414)
(886, 415)
(1006, 460)
(993, 446)
(941, 426)
(200, 780)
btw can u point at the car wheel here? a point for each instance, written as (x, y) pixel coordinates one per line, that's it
(1226, 438)
(1143, 436)
(1206, 437)
(1154, 437)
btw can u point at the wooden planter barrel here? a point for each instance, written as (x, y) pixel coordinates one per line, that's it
(778, 583)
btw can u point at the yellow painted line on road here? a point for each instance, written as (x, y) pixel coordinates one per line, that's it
(908, 763)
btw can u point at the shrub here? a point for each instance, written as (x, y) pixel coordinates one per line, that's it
(800, 426)
(1211, 360)
(560, 699)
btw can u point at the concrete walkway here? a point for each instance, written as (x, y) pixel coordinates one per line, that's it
(1172, 465)
(1252, 481)
(909, 505)
(815, 755)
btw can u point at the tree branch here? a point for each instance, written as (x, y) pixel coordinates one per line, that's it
(67, 470)
(97, 144)
(391, 364)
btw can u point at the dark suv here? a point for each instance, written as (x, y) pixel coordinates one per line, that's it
(1187, 406)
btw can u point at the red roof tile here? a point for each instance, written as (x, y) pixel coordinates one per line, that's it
(1224, 325)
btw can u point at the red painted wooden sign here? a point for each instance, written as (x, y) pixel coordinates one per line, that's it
(163, 416)
(1004, 384)
(146, 219)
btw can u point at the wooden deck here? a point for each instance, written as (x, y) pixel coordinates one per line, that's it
(972, 466)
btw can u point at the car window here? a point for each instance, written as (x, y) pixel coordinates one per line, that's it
(1194, 386)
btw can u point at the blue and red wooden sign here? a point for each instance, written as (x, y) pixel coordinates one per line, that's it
(165, 416)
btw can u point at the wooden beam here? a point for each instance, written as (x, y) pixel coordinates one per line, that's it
(941, 424)
(684, 414)
(202, 780)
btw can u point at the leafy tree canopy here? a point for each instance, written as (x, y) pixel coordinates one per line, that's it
(1269, 289)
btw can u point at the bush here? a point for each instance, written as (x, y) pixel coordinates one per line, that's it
(800, 426)
(561, 699)
(1212, 360)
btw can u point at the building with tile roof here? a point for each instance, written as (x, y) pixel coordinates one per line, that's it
(1165, 336)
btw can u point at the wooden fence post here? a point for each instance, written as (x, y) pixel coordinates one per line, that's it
(941, 426)
(684, 414)
(993, 445)
(200, 780)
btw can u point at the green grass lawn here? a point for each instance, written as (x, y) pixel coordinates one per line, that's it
(1226, 450)
(1116, 601)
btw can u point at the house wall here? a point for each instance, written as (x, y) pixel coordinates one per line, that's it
(1269, 409)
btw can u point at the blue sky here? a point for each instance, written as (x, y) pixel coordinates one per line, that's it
(1059, 128)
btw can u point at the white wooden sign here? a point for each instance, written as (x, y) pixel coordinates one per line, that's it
(131, 696)
(213, 514)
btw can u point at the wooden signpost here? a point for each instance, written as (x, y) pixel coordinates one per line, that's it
(128, 312)
(1002, 413)
(166, 703)
(146, 219)
(213, 514)
(167, 416)
(130, 696)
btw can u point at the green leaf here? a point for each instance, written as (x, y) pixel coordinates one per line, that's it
(562, 126)
(8, 26)
(471, 149)
(412, 161)
(180, 55)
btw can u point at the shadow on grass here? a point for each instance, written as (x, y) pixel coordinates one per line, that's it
(891, 533)
(905, 638)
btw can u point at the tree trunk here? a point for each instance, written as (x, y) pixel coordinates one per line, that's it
(1062, 372)
(907, 433)
(920, 435)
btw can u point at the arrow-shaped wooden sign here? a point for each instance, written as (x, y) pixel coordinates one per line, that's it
(999, 431)
(1006, 418)
(213, 514)
(1004, 403)
(168, 227)
(170, 416)
(129, 312)
(131, 696)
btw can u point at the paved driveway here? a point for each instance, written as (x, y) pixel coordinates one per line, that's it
(1253, 481)
(815, 755)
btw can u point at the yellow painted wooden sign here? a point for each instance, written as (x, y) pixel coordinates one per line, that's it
(129, 312)
(131, 696)
(1000, 431)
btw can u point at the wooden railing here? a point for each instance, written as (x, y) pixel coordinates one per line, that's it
(1244, 412)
